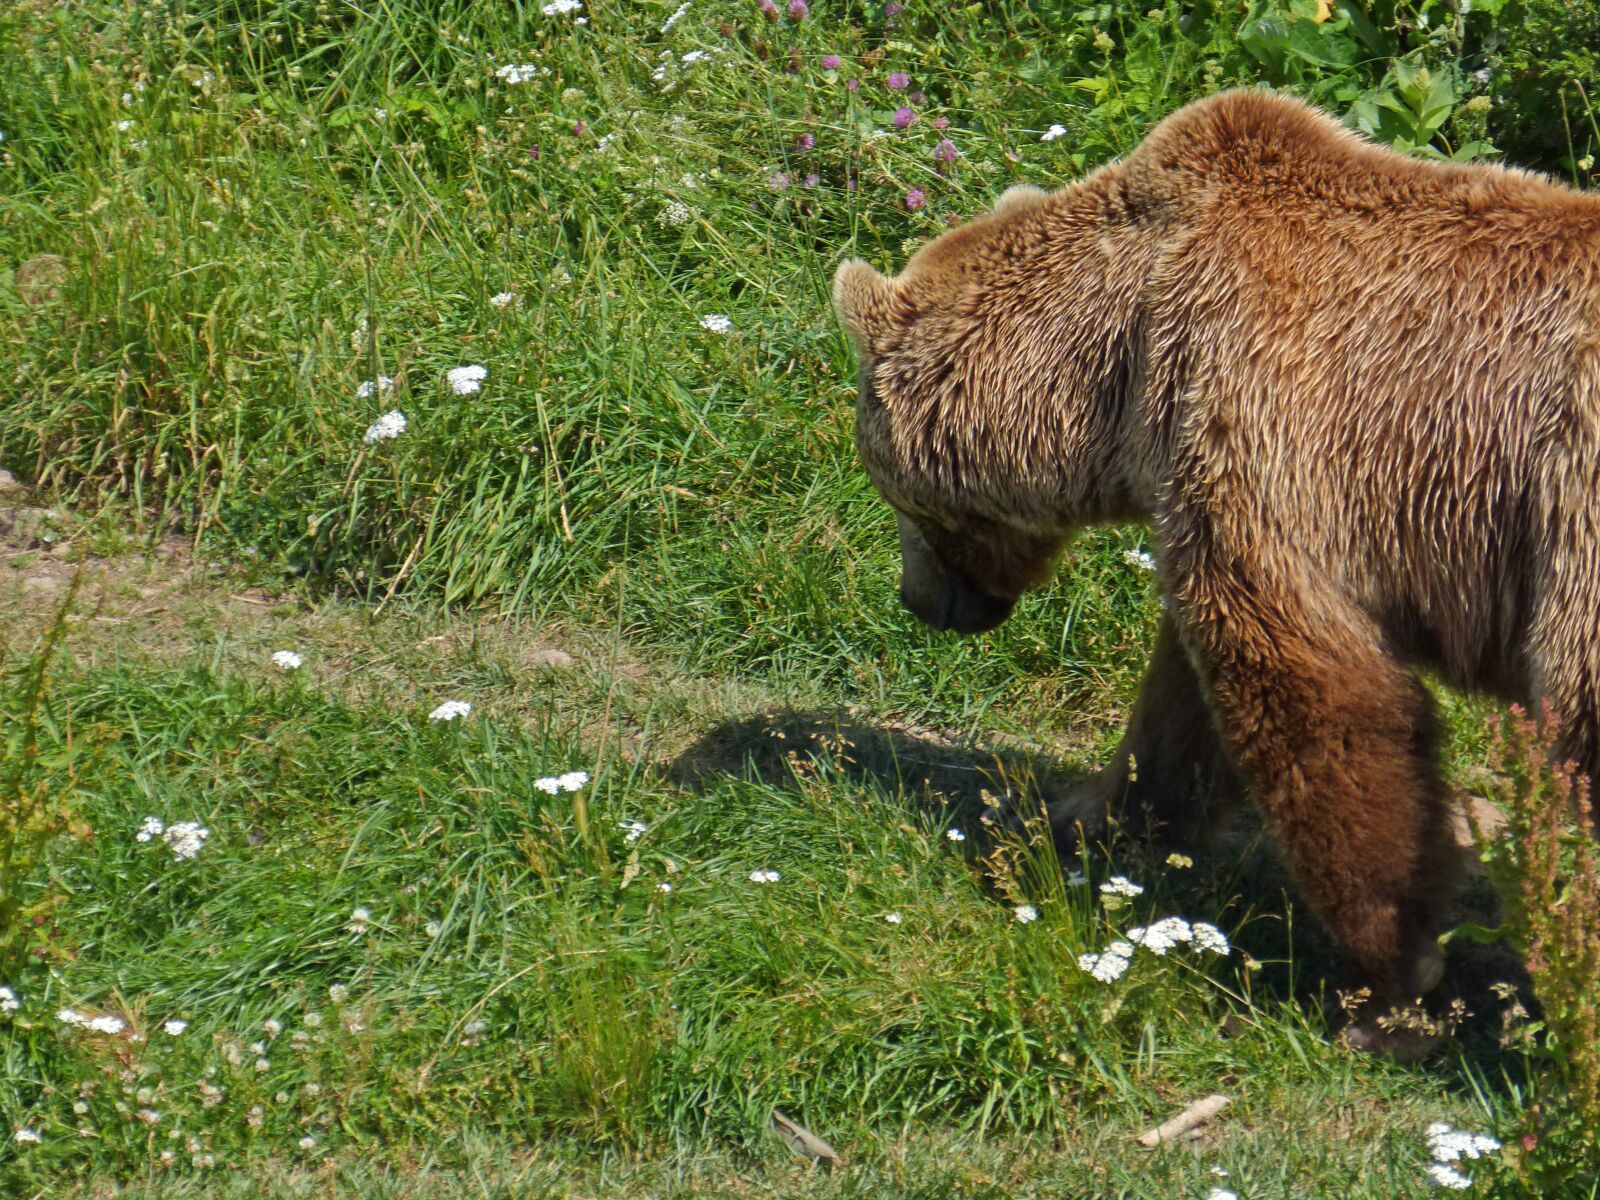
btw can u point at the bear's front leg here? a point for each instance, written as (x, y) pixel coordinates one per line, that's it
(1169, 772)
(1336, 741)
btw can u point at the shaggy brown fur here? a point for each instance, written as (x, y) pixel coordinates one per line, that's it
(1358, 397)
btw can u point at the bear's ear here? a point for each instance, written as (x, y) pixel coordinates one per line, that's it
(865, 300)
(1020, 195)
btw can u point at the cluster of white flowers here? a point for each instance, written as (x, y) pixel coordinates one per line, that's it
(466, 380)
(764, 875)
(1026, 913)
(8, 1001)
(675, 17)
(1120, 885)
(675, 213)
(893, 918)
(1140, 559)
(515, 73)
(391, 425)
(559, 8)
(450, 710)
(955, 835)
(1449, 1146)
(663, 887)
(358, 920)
(632, 831)
(373, 387)
(1108, 967)
(715, 323)
(1162, 936)
(572, 781)
(25, 1134)
(286, 660)
(104, 1023)
(1217, 1193)
(1054, 132)
(175, 1027)
(503, 299)
(185, 838)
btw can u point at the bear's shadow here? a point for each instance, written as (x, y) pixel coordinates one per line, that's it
(982, 789)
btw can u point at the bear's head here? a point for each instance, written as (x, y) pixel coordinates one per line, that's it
(973, 537)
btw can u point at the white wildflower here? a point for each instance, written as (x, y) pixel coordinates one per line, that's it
(8, 1001)
(391, 425)
(893, 918)
(25, 1134)
(286, 660)
(573, 781)
(380, 114)
(1026, 913)
(338, 993)
(1162, 936)
(307, 1143)
(1140, 559)
(502, 299)
(1221, 1194)
(715, 323)
(185, 839)
(175, 1027)
(124, 125)
(550, 784)
(151, 828)
(675, 17)
(272, 1026)
(955, 835)
(358, 920)
(372, 387)
(314, 1019)
(560, 8)
(603, 144)
(1451, 1145)
(432, 929)
(466, 380)
(764, 875)
(663, 887)
(675, 213)
(1077, 879)
(1209, 937)
(106, 1024)
(633, 830)
(149, 1116)
(1445, 1176)
(450, 710)
(1054, 132)
(515, 73)
(1121, 885)
(1109, 966)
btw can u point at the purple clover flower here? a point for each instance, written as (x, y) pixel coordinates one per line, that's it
(813, 179)
(853, 84)
(778, 181)
(941, 122)
(903, 117)
(916, 199)
(769, 10)
(533, 152)
(946, 151)
(830, 62)
(899, 81)
(805, 141)
(892, 10)
(798, 10)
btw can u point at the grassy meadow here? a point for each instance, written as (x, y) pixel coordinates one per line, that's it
(724, 829)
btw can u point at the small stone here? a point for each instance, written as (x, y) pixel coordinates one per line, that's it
(556, 660)
(8, 483)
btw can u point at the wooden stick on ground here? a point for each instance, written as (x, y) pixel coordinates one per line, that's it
(802, 1141)
(1185, 1123)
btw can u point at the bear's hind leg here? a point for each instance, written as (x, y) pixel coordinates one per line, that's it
(1170, 769)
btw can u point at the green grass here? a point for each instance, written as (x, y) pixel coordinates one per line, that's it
(308, 196)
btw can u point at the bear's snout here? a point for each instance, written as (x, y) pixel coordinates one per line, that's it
(956, 607)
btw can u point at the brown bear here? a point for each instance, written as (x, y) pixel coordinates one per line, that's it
(1357, 397)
